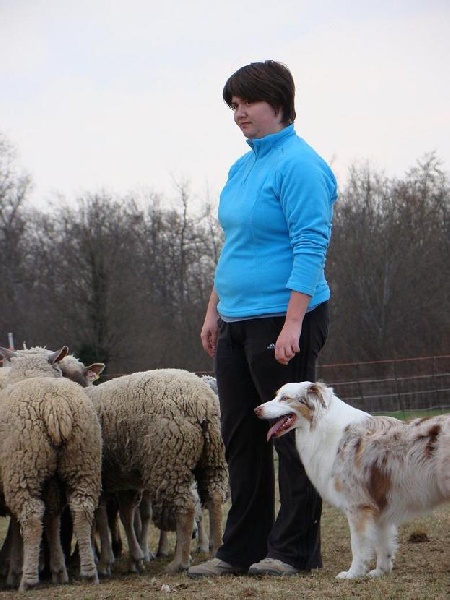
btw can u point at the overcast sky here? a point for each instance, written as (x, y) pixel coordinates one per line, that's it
(127, 95)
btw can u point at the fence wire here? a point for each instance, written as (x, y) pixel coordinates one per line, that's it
(390, 386)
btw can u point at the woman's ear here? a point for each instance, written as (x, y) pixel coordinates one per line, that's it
(279, 113)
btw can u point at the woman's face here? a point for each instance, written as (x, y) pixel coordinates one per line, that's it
(256, 119)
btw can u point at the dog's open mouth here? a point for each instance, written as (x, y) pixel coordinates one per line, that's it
(282, 426)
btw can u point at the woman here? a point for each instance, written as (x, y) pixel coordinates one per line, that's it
(266, 322)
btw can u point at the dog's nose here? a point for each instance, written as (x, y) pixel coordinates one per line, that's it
(258, 410)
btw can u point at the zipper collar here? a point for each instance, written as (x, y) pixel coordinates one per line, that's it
(264, 145)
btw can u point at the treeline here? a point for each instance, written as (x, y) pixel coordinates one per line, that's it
(126, 281)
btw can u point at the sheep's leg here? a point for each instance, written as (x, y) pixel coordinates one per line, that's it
(106, 558)
(94, 541)
(184, 528)
(14, 537)
(163, 544)
(5, 551)
(145, 512)
(66, 535)
(52, 528)
(82, 510)
(112, 510)
(202, 536)
(31, 518)
(215, 521)
(127, 509)
(138, 522)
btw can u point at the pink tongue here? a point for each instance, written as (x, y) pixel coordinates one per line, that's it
(275, 428)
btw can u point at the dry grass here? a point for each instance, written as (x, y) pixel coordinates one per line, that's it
(422, 570)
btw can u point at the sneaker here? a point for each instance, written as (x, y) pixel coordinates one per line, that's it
(272, 566)
(214, 567)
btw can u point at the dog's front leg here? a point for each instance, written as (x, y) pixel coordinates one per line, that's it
(362, 535)
(386, 545)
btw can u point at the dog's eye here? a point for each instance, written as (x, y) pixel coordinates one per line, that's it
(305, 401)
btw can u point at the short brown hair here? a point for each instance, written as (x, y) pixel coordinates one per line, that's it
(269, 81)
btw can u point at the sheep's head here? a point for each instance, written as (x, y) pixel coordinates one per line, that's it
(33, 362)
(74, 369)
(211, 381)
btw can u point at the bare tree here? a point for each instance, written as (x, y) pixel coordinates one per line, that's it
(388, 267)
(126, 281)
(178, 271)
(15, 185)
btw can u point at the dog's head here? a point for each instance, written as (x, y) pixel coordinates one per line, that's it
(296, 405)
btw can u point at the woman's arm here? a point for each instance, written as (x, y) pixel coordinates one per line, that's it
(210, 327)
(287, 344)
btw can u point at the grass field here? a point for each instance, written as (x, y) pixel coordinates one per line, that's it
(407, 415)
(422, 570)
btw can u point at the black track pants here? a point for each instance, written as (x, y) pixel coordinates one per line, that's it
(247, 375)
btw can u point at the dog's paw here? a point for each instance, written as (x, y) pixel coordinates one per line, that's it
(344, 575)
(376, 573)
(349, 575)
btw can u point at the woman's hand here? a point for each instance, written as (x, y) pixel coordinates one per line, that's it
(210, 329)
(209, 333)
(287, 344)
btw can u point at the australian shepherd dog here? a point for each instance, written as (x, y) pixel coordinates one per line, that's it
(379, 471)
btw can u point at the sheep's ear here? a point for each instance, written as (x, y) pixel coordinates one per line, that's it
(7, 354)
(94, 371)
(58, 355)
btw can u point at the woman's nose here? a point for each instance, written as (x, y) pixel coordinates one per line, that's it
(240, 111)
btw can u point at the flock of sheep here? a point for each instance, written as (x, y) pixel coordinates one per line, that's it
(146, 446)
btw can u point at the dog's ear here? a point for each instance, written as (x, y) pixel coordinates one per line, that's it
(316, 391)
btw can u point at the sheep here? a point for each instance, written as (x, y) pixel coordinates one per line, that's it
(4, 550)
(136, 507)
(7, 542)
(168, 524)
(161, 431)
(49, 435)
(12, 543)
(4, 376)
(212, 382)
(165, 519)
(145, 512)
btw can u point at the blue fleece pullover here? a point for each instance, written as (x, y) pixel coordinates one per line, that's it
(275, 210)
